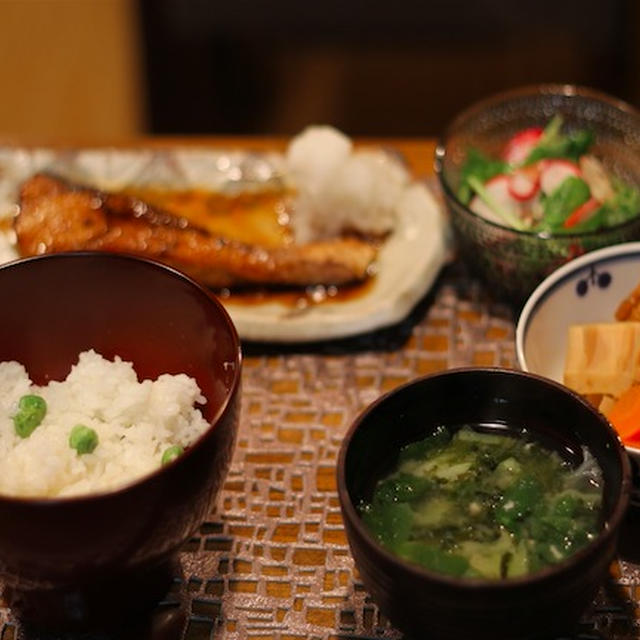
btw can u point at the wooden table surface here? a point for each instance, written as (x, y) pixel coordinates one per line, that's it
(272, 561)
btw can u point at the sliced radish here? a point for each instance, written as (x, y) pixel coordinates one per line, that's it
(581, 213)
(497, 188)
(524, 183)
(553, 172)
(479, 206)
(521, 144)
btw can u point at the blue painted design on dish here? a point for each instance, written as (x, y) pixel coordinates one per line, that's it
(598, 279)
(632, 254)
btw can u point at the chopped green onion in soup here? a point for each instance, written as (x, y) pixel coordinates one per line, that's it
(489, 505)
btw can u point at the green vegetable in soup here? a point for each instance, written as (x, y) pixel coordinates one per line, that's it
(416, 450)
(518, 501)
(434, 559)
(31, 412)
(83, 439)
(171, 454)
(484, 504)
(390, 522)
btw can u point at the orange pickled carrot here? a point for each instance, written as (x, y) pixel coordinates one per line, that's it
(634, 441)
(625, 413)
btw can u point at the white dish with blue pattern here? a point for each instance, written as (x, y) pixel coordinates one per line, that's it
(585, 290)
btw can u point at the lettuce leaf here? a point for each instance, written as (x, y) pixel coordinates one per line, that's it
(571, 193)
(480, 166)
(555, 144)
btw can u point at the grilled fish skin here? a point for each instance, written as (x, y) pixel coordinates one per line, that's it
(56, 215)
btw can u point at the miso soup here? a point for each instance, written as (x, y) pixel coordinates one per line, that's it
(488, 504)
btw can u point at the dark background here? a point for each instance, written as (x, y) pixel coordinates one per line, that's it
(389, 67)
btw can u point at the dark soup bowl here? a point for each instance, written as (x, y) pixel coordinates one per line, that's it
(85, 560)
(439, 593)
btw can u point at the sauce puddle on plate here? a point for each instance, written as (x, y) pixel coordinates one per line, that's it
(297, 298)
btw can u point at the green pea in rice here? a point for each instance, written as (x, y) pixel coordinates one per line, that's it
(136, 423)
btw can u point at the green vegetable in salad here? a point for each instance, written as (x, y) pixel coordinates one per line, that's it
(484, 504)
(624, 205)
(478, 167)
(547, 180)
(554, 144)
(571, 193)
(494, 204)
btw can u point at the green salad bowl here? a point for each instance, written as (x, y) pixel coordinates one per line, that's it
(512, 262)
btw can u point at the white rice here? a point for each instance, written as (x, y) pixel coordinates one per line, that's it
(135, 422)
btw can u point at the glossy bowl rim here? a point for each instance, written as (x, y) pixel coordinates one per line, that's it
(612, 524)
(533, 90)
(547, 287)
(46, 502)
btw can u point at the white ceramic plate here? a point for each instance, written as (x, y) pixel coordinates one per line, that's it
(585, 290)
(407, 265)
